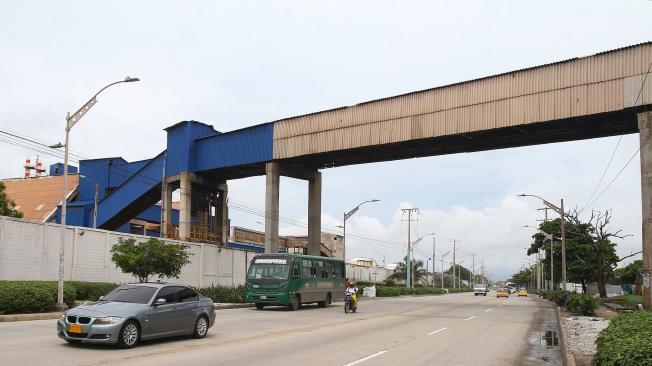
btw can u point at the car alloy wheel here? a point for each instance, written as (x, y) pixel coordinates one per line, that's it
(201, 327)
(129, 335)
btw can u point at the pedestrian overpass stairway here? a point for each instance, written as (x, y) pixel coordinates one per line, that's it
(136, 194)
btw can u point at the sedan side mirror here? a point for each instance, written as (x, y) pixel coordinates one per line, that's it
(160, 301)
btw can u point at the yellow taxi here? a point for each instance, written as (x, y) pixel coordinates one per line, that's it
(522, 292)
(502, 292)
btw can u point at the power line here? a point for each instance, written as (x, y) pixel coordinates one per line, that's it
(640, 92)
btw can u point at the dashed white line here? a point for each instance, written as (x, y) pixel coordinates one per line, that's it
(365, 358)
(469, 318)
(437, 331)
(488, 310)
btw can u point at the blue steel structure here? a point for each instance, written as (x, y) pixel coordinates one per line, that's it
(132, 190)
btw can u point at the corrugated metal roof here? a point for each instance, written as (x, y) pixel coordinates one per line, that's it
(37, 197)
(469, 81)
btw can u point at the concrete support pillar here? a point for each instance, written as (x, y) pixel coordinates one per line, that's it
(314, 215)
(271, 207)
(166, 206)
(222, 214)
(185, 205)
(645, 138)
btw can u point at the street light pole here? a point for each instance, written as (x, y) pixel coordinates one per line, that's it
(411, 245)
(434, 259)
(560, 211)
(442, 268)
(70, 122)
(346, 217)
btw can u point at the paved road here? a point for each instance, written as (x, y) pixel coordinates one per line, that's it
(456, 329)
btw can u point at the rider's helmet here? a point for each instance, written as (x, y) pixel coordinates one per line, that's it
(351, 284)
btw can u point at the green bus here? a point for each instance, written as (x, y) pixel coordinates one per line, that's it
(294, 279)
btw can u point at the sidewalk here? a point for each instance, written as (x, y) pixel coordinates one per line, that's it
(57, 315)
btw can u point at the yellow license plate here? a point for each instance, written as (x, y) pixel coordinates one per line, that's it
(74, 328)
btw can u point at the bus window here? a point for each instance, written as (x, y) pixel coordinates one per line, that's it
(296, 270)
(319, 269)
(342, 270)
(329, 271)
(307, 268)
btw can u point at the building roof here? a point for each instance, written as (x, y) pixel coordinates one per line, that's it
(37, 198)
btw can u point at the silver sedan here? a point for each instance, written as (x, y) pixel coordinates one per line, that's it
(136, 312)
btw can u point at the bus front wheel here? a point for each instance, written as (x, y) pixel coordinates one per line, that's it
(295, 304)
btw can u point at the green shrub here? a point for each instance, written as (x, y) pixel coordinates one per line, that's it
(556, 296)
(581, 304)
(32, 296)
(226, 294)
(626, 341)
(91, 290)
(388, 291)
(389, 282)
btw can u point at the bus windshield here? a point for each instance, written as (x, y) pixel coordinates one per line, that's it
(268, 270)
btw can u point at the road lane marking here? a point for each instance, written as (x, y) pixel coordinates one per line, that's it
(436, 331)
(488, 310)
(363, 359)
(469, 318)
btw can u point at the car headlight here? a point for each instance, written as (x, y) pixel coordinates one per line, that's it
(107, 320)
(63, 317)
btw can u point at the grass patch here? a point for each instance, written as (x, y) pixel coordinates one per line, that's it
(628, 301)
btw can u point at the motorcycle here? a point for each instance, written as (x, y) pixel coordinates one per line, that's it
(348, 304)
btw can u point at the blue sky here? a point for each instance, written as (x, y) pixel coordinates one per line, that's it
(234, 64)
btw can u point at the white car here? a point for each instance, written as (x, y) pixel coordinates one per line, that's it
(480, 289)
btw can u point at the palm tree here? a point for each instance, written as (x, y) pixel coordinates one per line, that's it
(417, 267)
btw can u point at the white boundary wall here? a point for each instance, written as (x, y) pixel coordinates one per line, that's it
(30, 251)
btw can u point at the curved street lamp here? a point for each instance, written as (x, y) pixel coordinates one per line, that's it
(409, 275)
(346, 217)
(560, 211)
(71, 120)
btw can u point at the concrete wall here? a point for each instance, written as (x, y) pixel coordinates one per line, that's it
(30, 251)
(362, 273)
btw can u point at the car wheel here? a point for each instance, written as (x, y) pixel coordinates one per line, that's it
(129, 335)
(201, 327)
(295, 303)
(260, 306)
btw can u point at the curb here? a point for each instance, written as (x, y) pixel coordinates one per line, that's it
(226, 306)
(26, 317)
(569, 360)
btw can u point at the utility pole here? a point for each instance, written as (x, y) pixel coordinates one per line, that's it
(454, 249)
(563, 245)
(472, 281)
(408, 279)
(97, 192)
(434, 260)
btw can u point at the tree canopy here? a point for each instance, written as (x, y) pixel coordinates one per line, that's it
(417, 267)
(7, 206)
(150, 258)
(590, 252)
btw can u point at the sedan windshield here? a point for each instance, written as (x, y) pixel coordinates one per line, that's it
(132, 294)
(275, 271)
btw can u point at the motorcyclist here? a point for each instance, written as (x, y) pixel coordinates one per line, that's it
(353, 290)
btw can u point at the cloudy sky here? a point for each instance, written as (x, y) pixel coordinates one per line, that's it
(234, 64)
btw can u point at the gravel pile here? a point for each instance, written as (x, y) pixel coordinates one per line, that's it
(582, 332)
